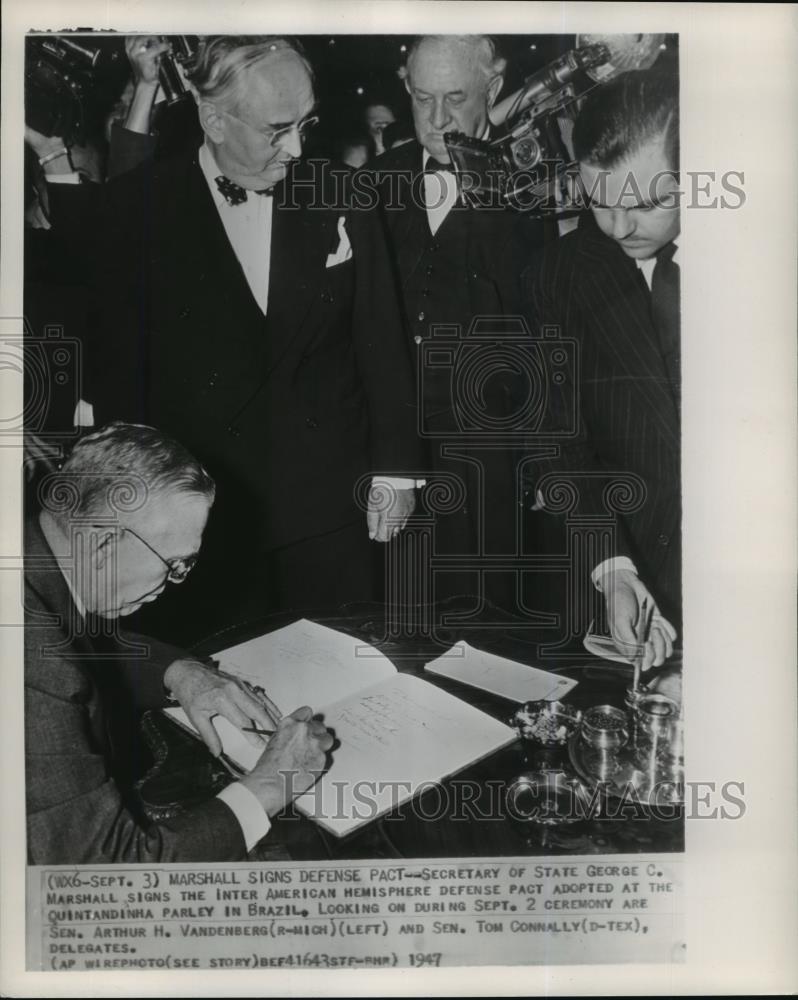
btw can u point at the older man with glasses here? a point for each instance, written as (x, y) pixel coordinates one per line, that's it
(244, 306)
(89, 563)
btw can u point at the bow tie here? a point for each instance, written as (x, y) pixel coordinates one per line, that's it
(233, 193)
(433, 167)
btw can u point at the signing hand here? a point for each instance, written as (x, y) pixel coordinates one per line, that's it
(624, 594)
(203, 693)
(292, 762)
(388, 510)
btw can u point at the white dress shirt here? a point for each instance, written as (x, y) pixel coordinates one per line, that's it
(248, 227)
(647, 266)
(440, 193)
(441, 190)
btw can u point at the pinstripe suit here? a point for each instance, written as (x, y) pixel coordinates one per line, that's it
(629, 407)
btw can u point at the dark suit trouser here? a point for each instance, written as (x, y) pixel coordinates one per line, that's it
(483, 524)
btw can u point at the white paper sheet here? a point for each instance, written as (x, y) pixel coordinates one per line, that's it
(498, 675)
(306, 664)
(395, 738)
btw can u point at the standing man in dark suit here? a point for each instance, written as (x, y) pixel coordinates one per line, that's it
(123, 518)
(614, 287)
(459, 268)
(247, 309)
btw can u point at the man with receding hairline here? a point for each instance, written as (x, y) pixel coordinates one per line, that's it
(456, 264)
(248, 309)
(453, 81)
(123, 518)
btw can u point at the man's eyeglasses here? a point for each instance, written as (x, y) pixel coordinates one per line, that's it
(178, 568)
(275, 136)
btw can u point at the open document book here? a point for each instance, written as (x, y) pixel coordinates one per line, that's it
(395, 733)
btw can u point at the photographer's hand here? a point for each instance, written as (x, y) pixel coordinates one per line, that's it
(144, 53)
(45, 146)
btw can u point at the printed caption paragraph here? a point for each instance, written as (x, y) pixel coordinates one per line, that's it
(374, 915)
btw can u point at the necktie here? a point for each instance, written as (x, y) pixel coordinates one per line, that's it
(665, 309)
(233, 193)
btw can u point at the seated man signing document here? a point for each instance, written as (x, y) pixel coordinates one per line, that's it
(124, 516)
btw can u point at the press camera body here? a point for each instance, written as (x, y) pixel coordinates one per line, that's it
(61, 81)
(66, 76)
(530, 164)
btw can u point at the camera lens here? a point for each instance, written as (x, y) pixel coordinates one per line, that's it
(526, 152)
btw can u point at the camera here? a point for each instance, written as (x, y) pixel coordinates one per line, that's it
(498, 380)
(180, 57)
(530, 166)
(64, 77)
(68, 77)
(50, 365)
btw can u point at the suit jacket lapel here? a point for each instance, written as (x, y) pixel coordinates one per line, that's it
(298, 251)
(615, 291)
(43, 575)
(302, 236)
(409, 227)
(211, 257)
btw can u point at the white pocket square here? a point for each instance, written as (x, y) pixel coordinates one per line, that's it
(344, 249)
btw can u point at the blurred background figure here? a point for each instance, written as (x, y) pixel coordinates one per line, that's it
(354, 150)
(378, 116)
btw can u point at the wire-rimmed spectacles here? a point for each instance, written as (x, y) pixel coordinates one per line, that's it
(276, 135)
(178, 568)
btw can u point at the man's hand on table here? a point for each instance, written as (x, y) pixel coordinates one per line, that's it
(668, 683)
(204, 692)
(291, 763)
(624, 593)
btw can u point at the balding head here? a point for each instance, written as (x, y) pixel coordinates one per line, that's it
(452, 80)
(221, 70)
(254, 99)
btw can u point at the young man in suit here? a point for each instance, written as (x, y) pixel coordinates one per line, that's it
(458, 265)
(613, 285)
(124, 516)
(246, 308)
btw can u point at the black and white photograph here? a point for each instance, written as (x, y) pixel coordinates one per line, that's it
(355, 444)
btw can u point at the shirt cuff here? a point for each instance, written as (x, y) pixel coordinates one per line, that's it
(72, 178)
(611, 566)
(83, 415)
(248, 811)
(398, 482)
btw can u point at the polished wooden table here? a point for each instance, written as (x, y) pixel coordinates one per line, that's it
(467, 815)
